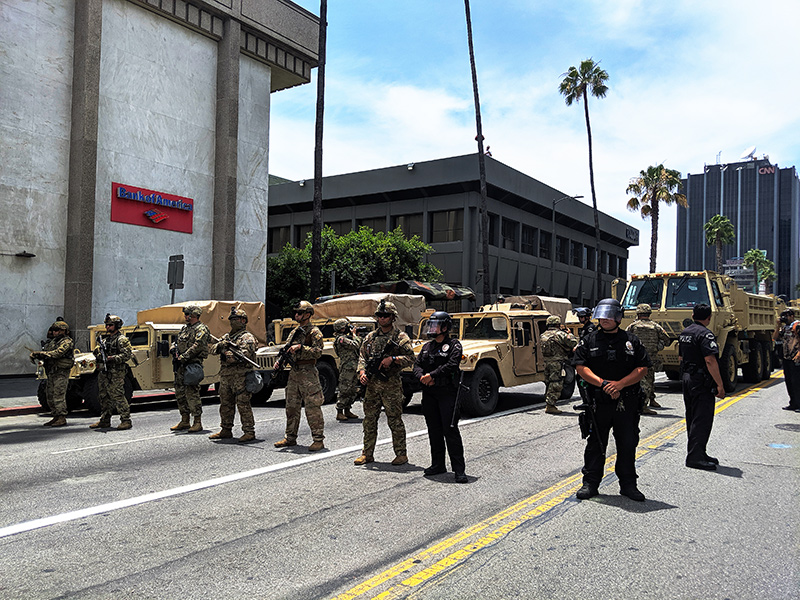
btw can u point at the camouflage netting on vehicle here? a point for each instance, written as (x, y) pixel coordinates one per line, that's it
(409, 307)
(215, 316)
(560, 307)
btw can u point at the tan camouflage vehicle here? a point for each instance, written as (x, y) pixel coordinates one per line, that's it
(501, 348)
(742, 322)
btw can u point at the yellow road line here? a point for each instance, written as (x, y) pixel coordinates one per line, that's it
(507, 520)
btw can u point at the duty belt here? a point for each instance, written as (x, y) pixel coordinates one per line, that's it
(305, 362)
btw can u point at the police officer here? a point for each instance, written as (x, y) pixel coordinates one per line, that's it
(347, 346)
(557, 346)
(700, 376)
(437, 369)
(585, 318)
(613, 363)
(111, 378)
(57, 356)
(191, 347)
(303, 387)
(787, 331)
(654, 339)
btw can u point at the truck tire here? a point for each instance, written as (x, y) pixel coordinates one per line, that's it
(328, 380)
(751, 372)
(766, 361)
(672, 374)
(41, 394)
(91, 393)
(261, 397)
(728, 368)
(569, 383)
(74, 395)
(483, 392)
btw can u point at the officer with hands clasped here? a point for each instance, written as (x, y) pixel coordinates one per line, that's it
(612, 362)
(700, 376)
(436, 368)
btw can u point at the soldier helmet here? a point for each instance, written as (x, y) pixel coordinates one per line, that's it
(113, 320)
(340, 325)
(59, 325)
(554, 321)
(192, 309)
(438, 323)
(237, 313)
(643, 309)
(582, 312)
(789, 312)
(609, 308)
(386, 308)
(304, 307)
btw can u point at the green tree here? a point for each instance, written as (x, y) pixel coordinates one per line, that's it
(763, 267)
(576, 86)
(719, 232)
(654, 186)
(357, 258)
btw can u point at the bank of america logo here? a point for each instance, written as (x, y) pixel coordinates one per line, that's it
(156, 216)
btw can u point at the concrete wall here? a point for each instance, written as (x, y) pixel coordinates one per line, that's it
(36, 41)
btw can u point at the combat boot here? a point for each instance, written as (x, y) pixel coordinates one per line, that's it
(363, 459)
(654, 404)
(184, 424)
(248, 436)
(58, 422)
(50, 422)
(350, 415)
(196, 426)
(552, 409)
(222, 434)
(316, 446)
(340, 416)
(100, 425)
(284, 443)
(400, 459)
(648, 411)
(126, 424)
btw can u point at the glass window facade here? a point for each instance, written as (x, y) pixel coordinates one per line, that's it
(410, 224)
(447, 226)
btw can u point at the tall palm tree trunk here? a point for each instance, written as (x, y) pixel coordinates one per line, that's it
(718, 245)
(654, 233)
(599, 281)
(316, 229)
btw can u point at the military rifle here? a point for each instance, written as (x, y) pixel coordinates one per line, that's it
(284, 359)
(233, 349)
(373, 365)
(101, 344)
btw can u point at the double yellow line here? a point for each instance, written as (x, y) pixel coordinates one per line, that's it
(451, 552)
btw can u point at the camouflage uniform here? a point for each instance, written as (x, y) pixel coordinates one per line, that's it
(57, 356)
(556, 348)
(192, 348)
(654, 339)
(111, 382)
(387, 394)
(232, 373)
(347, 347)
(303, 387)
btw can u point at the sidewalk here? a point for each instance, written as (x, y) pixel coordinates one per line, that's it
(18, 392)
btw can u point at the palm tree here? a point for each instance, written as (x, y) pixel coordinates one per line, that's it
(653, 186)
(481, 162)
(763, 267)
(577, 85)
(719, 231)
(316, 227)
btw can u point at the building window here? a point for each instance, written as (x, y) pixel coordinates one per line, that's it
(529, 240)
(341, 227)
(301, 233)
(591, 263)
(410, 224)
(376, 224)
(447, 226)
(622, 271)
(278, 238)
(603, 261)
(576, 254)
(612, 264)
(562, 249)
(493, 219)
(545, 238)
(509, 233)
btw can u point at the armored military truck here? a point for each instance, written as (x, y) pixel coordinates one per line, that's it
(742, 322)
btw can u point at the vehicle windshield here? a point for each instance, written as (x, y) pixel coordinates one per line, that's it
(644, 291)
(686, 292)
(485, 328)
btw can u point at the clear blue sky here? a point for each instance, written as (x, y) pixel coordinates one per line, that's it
(688, 81)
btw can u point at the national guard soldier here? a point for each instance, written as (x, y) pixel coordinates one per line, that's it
(585, 319)
(613, 363)
(437, 369)
(384, 353)
(557, 346)
(191, 347)
(787, 330)
(303, 387)
(347, 346)
(233, 370)
(113, 351)
(57, 356)
(698, 350)
(654, 339)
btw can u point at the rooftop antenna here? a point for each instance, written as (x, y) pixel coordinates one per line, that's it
(718, 155)
(749, 153)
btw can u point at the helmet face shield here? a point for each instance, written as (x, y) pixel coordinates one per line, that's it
(607, 311)
(434, 328)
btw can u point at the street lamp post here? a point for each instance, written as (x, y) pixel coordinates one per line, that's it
(553, 241)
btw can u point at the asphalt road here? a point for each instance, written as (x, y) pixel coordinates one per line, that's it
(146, 513)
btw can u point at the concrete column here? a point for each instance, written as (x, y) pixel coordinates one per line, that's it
(83, 168)
(223, 259)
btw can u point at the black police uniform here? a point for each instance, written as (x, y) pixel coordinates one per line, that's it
(439, 400)
(791, 371)
(612, 356)
(587, 328)
(699, 389)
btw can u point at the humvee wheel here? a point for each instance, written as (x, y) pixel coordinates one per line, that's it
(41, 394)
(91, 393)
(751, 372)
(483, 392)
(672, 374)
(568, 388)
(728, 368)
(328, 381)
(766, 361)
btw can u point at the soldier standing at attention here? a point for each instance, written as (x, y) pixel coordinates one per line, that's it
(700, 374)
(613, 363)
(787, 329)
(303, 388)
(347, 346)
(57, 356)
(654, 339)
(557, 345)
(232, 372)
(437, 369)
(585, 319)
(384, 388)
(192, 348)
(111, 378)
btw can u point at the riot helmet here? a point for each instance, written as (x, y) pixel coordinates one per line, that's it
(608, 308)
(438, 323)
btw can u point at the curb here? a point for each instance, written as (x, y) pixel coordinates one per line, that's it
(20, 410)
